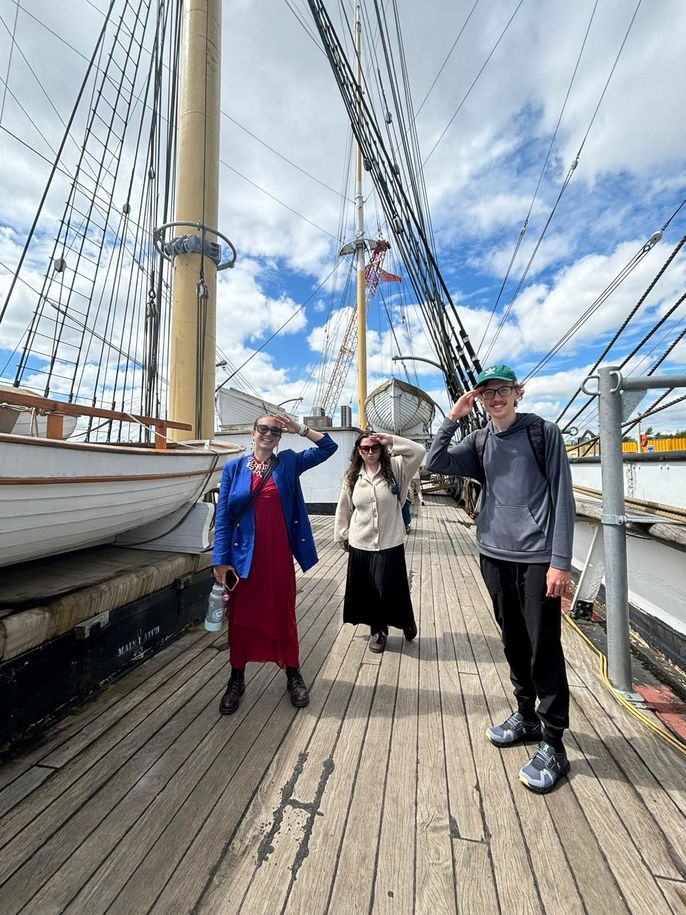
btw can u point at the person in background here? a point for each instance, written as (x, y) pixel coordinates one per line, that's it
(370, 526)
(524, 535)
(415, 490)
(262, 523)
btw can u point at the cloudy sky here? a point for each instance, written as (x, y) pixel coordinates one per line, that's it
(488, 112)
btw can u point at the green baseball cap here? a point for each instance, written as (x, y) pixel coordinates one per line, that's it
(499, 372)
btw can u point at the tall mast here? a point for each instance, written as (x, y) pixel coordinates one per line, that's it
(359, 242)
(194, 289)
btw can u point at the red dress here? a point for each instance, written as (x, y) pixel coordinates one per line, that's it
(261, 611)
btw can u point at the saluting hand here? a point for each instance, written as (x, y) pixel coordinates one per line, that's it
(288, 424)
(382, 438)
(463, 406)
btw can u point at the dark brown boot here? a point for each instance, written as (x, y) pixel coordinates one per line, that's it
(377, 642)
(300, 694)
(410, 632)
(232, 697)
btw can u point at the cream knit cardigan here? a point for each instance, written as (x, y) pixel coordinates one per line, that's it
(370, 518)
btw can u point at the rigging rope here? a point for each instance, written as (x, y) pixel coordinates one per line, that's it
(619, 331)
(474, 81)
(451, 342)
(53, 171)
(281, 327)
(565, 184)
(525, 224)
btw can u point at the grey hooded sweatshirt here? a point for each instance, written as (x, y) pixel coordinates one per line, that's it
(525, 517)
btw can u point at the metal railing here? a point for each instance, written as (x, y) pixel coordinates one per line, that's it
(616, 395)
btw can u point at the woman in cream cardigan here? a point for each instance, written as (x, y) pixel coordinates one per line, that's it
(370, 527)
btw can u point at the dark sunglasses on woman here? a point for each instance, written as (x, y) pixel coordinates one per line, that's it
(276, 431)
(369, 449)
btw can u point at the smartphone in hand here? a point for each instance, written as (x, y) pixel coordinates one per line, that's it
(231, 579)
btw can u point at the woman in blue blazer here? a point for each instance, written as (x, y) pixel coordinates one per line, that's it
(262, 524)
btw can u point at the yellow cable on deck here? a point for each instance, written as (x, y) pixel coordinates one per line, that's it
(637, 713)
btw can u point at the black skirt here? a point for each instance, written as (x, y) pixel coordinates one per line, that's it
(377, 592)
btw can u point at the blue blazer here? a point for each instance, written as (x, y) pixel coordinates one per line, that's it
(234, 541)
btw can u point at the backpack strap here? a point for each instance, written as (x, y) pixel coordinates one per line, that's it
(536, 435)
(480, 445)
(395, 488)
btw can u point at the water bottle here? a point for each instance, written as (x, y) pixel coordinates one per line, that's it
(214, 617)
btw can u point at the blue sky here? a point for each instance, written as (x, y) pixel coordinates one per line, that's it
(480, 178)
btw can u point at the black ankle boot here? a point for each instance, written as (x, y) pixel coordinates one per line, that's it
(300, 694)
(232, 697)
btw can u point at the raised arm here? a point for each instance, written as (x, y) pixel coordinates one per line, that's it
(325, 446)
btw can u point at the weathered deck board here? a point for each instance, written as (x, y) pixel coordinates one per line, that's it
(382, 796)
(136, 684)
(195, 800)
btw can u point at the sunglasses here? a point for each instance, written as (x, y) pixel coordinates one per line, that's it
(369, 449)
(276, 431)
(490, 393)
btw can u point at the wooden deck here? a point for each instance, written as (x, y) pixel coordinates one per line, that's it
(382, 796)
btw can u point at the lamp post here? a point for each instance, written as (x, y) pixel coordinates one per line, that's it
(417, 359)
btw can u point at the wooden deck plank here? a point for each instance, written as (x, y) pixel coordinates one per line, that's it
(466, 815)
(675, 893)
(646, 835)
(180, 811)
(563, 899)
(632, 875)
(562, 884)
(435, 887)
(22, 786)
(92, 731)
(140, 793)
(383, 795)
(353, 887)
(620, 742)
(545, 847)
(253, 841)
(476, 893)
(514, 879)
(144, 676)
(60, 836)
(394, 887)
(59, 797)
(310, 892)
(667, 766)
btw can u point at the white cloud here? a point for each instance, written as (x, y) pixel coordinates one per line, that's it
(480, 179)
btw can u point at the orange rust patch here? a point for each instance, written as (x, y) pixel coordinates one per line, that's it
(668, 707)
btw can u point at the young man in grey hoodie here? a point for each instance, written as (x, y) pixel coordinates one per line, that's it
(524, 536)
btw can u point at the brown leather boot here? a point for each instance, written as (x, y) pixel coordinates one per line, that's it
(232, 697)
(300, 694)
(377, 642)
(410, 632)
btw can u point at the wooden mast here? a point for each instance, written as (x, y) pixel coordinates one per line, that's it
(193, 343)
(360, 244)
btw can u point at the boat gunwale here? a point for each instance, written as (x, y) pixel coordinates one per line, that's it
(192, 449)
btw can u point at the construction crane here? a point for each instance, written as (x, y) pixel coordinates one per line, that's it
(373, 274)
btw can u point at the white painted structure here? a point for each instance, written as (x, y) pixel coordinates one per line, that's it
(656, 571)
(57, 496)
(321, 485)
(236, 408)
(650, 478)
